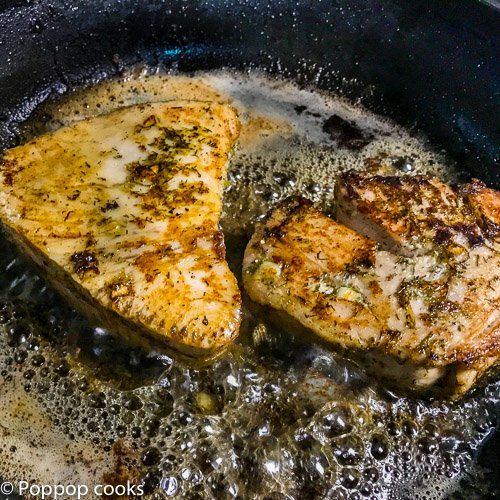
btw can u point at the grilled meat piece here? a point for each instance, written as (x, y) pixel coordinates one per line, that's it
(122, 212)
(430, 322)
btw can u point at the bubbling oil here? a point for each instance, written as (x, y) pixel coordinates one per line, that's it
(274, 418)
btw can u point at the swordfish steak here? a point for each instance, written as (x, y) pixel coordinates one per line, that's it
(428, 322)
(121, 211)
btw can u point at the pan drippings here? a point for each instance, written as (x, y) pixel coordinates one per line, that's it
(274, 417)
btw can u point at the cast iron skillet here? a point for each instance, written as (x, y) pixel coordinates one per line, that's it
(432, 65)
(429, 65)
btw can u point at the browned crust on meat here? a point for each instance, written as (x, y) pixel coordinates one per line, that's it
(295, 215)
(409, 210)
(485, 204)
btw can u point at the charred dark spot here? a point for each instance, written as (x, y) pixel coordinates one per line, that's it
(392, 334)
(300, 109)
(84, 262)
(110, 205)
(277, 260)
(443, 234)
(393, 180)
(366, 259)
(9, 171)
(148, 122)
(345, 133)
(219, 247)
(475, 239)
(427, 318)
(491, 229)
(470, 231)
(140, 222)
(374, 287)
(444, 306)
(274, 232)
(75, 195)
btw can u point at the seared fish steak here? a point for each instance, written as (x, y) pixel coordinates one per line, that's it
(430, 322)
(122, 213)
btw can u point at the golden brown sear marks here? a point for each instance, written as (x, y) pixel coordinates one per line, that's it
(406, 213)
(419, 309)
(485, 203)
(124, 208)
(299, 261)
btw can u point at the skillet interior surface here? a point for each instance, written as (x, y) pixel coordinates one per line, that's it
(432, 68)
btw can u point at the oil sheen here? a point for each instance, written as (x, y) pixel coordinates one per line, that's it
(274, 417)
